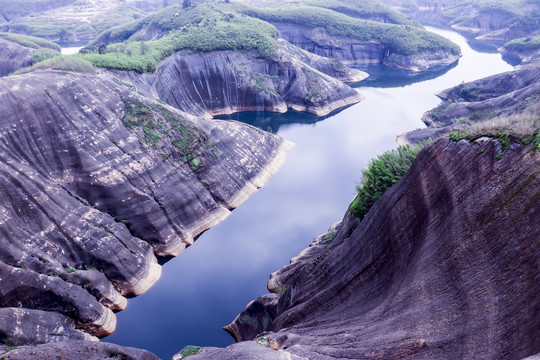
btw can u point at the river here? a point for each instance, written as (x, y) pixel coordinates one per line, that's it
(206, 286)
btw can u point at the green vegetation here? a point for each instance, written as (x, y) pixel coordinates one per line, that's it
(204, 28)
(43, 54)
(380, 175)
(467, 92)
(523, 45)
(30, 41)
(69, 271)
(369, 10)
(190, 350)
(400, 39)
(62, 24)
(328, 237)
(66, 63)
(523, 126)
(160, 128)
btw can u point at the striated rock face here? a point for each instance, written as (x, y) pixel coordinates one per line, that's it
(13, 56)
(445, 265)
(224, 82)
(77, 350)
(504, 93)
(96, 182)
(354, 52)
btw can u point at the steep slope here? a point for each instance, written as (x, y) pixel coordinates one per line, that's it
(96, 182)
(501, 94)
(492, 23)
(18, 51)
(445, 265)
(357, 41)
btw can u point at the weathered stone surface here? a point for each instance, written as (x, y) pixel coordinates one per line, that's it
(224, 82)
(13, 56)
(354, 52)
(504, 93)
(445, 265)
(96, 182)
(76, 350)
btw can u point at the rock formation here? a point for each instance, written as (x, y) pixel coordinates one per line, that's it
(97, 182)
(224, 82)
(13, 56)
(482, 99)
(445, 265)
(354, 52)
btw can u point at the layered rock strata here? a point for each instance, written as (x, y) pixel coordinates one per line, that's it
(505, 93)
(13, 57)
(350, 51)
(444, 265)
(98, 181)
(225, 82)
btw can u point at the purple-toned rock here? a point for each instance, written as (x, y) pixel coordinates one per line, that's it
(444, 266)
(75, 350)
(96, 183)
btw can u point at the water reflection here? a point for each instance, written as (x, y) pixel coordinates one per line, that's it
(205, 287)
(388, 77)
(272, 122)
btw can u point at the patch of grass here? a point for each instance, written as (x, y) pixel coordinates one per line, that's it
(204, 28)
(159, 127)
(69, 271)
(328, 237)
(44, 54)
(65, 63)
(381, 173)
(523, 45)
(30, 41)
(190, 350)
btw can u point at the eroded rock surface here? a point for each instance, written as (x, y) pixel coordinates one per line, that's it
(505, 93)
(76, 350)
(224, 82)
(96, 182)
(13, 57)
(444, 265)
(354, 52)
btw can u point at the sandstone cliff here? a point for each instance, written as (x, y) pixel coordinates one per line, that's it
(355, 52)
(445, 265)
(13, 56)
(97, 182)
(500, 94)
(224, 82)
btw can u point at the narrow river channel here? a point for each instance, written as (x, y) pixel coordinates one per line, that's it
(206, 286)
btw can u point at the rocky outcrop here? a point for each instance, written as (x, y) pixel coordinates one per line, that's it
(13, 57)
(97, 183)
(225, 82)
(75, 350)
(505, 93)
(444, 265)
(489, 23)
(355, 52)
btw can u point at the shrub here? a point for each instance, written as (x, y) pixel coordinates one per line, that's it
(67, 63)
(203, 28)
(381, 173)
(43, 54)
(30, 41)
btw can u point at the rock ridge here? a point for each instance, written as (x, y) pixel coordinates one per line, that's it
(99, 181)
(446, 255)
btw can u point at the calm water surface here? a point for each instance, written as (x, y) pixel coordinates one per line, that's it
(206, 286)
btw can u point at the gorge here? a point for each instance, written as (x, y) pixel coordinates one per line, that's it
(264, 233)
(111, 166)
